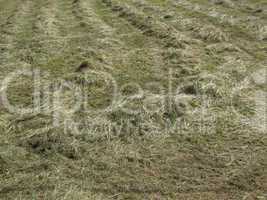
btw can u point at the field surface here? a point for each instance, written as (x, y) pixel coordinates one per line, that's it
(133, 99)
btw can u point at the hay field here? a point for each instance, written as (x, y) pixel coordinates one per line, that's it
(133, 99)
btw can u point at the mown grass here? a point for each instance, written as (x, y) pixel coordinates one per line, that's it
(205, 147)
